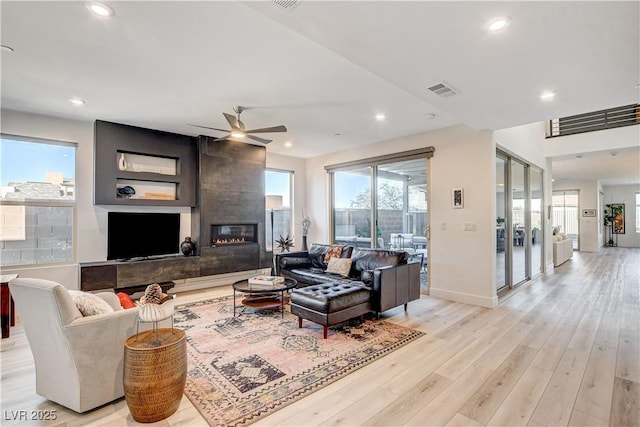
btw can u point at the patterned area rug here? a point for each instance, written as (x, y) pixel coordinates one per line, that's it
(243, 368)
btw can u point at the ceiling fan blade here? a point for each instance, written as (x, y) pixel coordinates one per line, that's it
(280, 128)
(258, 139)
(233, 122)
(207, 127)
(222, 138)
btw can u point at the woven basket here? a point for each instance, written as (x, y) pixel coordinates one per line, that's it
(156, 312)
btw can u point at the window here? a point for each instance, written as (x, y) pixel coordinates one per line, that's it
(637, 212)
(37, 201)
(279, 183)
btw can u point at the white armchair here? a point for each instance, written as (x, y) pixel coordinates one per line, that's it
(78, 360)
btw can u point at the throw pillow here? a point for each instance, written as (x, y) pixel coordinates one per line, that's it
(89, 304)
(340, 266)
(125, 300)
(334, 251)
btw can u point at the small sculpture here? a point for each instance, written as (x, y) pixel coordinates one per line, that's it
(154, 295)
(126, 191)
(285, 243)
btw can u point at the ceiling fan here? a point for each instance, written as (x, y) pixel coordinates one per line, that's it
(238, 130)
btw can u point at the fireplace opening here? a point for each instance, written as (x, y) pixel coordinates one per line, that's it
(233, 234)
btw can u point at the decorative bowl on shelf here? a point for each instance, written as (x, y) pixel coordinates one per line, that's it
(126, 191)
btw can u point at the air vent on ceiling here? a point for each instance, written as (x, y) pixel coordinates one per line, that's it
(443, 90)
(285, 4)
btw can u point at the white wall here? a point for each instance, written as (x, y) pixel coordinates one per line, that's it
(625, 194)
(609, 139)
(589, 227)
(524, 141)
(461, 263)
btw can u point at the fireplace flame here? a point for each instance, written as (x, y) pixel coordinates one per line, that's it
(229, 241)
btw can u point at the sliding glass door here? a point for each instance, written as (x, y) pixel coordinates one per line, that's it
(519, 219)
(519, 222)
(383, 205)
(352, 207)
(501, 215)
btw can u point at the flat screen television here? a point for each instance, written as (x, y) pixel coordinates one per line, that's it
(142, 235)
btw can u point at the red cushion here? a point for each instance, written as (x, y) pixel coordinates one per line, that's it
(125, 300)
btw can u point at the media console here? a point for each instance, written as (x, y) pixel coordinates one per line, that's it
(137, 274)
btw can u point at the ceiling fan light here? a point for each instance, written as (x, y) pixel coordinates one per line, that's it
(100, 9)
(238, 134)
(499, 24)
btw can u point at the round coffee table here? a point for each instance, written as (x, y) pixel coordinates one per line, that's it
(260, 297)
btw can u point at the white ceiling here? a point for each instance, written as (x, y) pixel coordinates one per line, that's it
(321, 68)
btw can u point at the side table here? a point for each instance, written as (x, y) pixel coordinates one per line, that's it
(7, 307)
(155, 372)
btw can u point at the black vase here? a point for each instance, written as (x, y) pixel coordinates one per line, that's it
(187, 247)
(304, 243)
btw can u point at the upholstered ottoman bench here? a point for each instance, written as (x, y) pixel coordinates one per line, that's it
(330, 303)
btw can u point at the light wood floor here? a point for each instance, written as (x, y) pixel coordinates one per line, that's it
(561, 350)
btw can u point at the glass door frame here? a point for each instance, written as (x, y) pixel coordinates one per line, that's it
(527, 243)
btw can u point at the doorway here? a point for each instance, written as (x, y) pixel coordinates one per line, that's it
(565, 217)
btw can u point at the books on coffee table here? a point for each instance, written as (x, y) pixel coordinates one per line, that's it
(265, 282)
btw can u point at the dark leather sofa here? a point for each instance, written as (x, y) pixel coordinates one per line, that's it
(387, 274)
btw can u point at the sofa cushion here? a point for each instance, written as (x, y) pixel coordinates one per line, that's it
(316, 255)
(334, 251)
(125, 300)
(313, 276)
(89, 304)
(290, 262)
(367, 277)
(340, 266)
(370, 259)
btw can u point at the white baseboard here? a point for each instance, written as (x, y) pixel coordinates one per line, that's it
(489, 302)
(214, 281)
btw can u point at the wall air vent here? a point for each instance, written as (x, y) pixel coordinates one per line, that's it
(285, 4)
(443, 90)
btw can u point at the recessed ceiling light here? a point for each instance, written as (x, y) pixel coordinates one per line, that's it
(499, 24)
(547, 95)
(100, 9)
(553, 180)
(614, 153)
(578, 156)
(288, 144)
(6, 48)
(430, 116)
(337, 134)
(380, 117)
(78, 102)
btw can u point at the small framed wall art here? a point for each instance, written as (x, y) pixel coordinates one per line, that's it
(588, 212)
(457, 198)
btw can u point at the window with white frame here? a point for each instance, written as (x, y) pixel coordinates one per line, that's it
(37, 201)
(279, 196)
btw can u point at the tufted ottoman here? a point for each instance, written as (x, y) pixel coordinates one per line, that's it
(330, 303)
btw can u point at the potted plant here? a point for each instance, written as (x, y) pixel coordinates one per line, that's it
(611, 211)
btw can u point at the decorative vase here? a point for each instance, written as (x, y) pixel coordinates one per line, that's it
(304, 243)
(122, 162)
(187, 247)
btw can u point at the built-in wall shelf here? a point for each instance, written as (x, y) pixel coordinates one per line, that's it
(137, 166)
